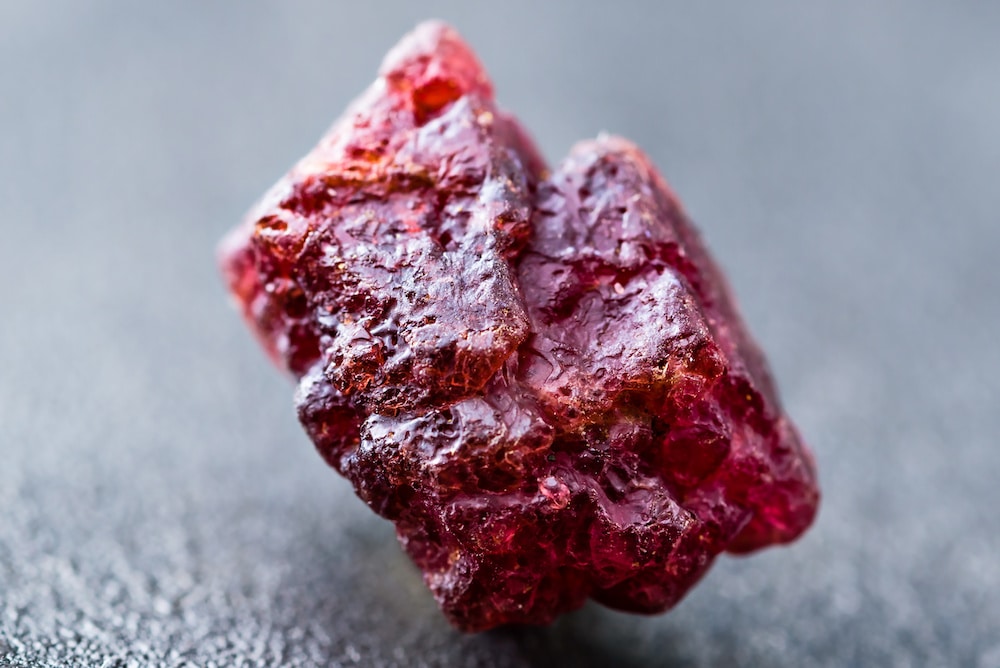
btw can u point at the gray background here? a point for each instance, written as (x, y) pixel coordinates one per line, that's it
(159, 505)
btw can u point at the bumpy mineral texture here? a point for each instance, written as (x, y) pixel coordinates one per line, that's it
(541, 378)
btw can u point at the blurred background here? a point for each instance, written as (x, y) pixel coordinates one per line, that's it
(159, 504)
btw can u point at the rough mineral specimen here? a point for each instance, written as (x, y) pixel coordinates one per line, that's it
(541, 378)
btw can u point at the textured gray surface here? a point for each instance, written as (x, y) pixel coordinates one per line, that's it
(159, 505)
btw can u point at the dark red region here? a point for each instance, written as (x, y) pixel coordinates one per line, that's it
(541, 378)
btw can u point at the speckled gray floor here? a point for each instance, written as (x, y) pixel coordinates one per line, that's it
(159, 505)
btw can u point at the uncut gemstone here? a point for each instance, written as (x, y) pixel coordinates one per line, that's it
(539, 376)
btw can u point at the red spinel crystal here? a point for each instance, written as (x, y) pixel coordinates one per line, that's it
(541, 378)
